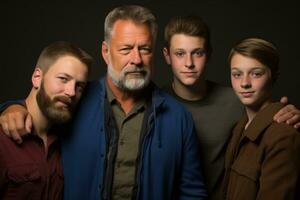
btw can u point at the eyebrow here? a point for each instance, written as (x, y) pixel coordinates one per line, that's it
(65, 74)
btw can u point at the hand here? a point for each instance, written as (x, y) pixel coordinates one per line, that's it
(16, 122)
(288, 114)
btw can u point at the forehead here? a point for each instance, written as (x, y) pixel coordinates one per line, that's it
(243, 62)
(68, 65)
(185, 41)
(128, 30)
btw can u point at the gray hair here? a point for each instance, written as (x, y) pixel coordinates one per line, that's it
(137, 14)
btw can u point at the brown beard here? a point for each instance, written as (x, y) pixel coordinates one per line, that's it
(55, 114)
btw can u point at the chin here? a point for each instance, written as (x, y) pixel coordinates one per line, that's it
(189, 82)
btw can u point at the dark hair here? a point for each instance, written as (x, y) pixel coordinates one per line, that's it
(191, 26)
(261, 50)
(55, 50)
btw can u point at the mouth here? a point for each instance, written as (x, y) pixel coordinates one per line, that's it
(135, 73)
(64, 102)
(189, 73)
(247, 94)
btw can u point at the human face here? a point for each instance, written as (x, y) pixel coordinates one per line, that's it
(187, 58)
(61, 88)
(128, 55)
(251, 81)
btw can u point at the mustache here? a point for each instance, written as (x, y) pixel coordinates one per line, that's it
(66, 100)
(135, 69)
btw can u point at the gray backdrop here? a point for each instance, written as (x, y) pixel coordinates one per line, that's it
(27, 27)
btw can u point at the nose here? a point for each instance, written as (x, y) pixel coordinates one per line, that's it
(136, 57)
(189, 63)
(70, 89)
(246, 82)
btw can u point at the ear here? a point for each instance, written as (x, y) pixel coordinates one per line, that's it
(167, 55)
(37, 77)
(105, 53)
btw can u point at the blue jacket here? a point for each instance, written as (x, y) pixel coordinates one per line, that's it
(168, 167)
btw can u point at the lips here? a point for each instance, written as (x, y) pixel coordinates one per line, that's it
(188, 73)
(65, 101)
(247, 94)
(135, 73)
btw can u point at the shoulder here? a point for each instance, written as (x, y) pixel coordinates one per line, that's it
(168, 101)
(219, 90)
(281, 133)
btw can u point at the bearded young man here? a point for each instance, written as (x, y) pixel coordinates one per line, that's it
(33, 170)
(129, 139)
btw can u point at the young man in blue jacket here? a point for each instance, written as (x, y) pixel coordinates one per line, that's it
(130, 140)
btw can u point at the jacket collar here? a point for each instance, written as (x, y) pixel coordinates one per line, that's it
(158, 96)
(260, 122)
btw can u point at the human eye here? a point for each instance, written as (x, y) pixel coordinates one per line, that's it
(199, 52)
(63, 79)
(125, 50)
(145, 50)
(257, 73)
(80, 87)
(236, 74)
(179, 53)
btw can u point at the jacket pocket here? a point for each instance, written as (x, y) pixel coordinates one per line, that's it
(246, 169)
(23, 174)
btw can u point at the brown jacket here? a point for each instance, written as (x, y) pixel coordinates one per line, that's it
(263, 161)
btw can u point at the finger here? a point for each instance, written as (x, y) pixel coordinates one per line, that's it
(28, 123)
(5, 129)
(284, 117)
(283, 111)
(20, 124)
(12, 130)
(294, 119)
(16, 137)
(284, 100)
(297, 126)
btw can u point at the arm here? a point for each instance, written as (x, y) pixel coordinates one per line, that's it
(288, 114)
(192, 182)
(15, 122)
(280, 170)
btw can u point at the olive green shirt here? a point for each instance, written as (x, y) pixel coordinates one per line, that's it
(129, 129)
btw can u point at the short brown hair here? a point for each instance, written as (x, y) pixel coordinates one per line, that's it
(191, 26)
(261, 50)
(52, 52)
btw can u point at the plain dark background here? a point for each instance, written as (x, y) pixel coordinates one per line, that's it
(27, 27)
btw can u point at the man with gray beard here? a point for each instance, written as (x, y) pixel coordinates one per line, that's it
(33, 170)
(129, 139)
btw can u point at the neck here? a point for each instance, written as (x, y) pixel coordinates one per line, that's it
(126, 99)
(252, 111)
(40, 123)
(194, 92)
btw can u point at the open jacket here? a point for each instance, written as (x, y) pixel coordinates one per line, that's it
(168, 162)
(263, 161)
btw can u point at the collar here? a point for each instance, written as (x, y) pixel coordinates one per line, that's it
(261, 121)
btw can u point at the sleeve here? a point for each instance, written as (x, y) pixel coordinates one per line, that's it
(280, 170)
(6, 104)
(2, 168)
(192, 182)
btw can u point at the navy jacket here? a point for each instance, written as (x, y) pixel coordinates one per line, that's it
(168, 166)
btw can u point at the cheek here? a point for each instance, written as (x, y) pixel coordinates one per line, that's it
(234, 83)
(264, 84)
(200, 63)
(54, 88)
(176, 62)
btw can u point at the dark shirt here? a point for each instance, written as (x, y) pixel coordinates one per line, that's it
(28, 170)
